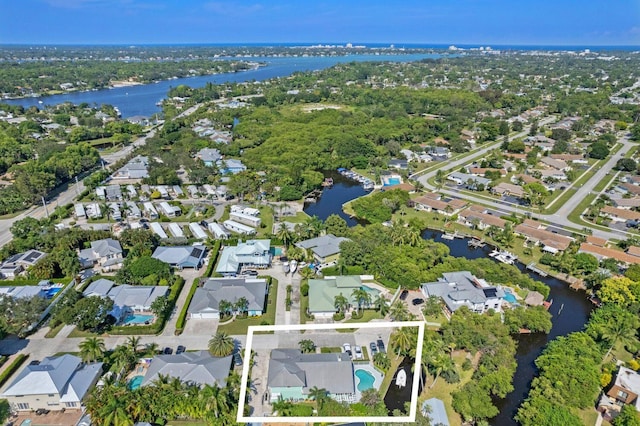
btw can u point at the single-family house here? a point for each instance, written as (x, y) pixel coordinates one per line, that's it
(209, 156)
(136, 168)
(457, 289)
(113, 193)
(55, 383)
(292, 375)
(550, 241)
(555, 163)
(626, 203)
(439, 152)
(468, 179)
(476, 216)
(608, 253)
(199, 368)
(17, 263)
(620, 215)
(322, 294)
(106, 253)
(398, 164)
(325, 248)
(523, 179)
(230, 166)
(552, 174)
(624, 390)
(504, 188)
(101, 192)
(205, 303)
(250, 254)
(127, 299)
(181, 256)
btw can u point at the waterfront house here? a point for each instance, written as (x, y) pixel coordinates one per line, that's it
(55, 383)
(325, 248)
(181, 257)
(458, 289)
(106, 253)
(292, 374)
(601, 252)
(550, 241)
(199, 368)
(432, 202)
(477, 216)
(322, 294)
(250, 254)
(206, 300)
(624, 390)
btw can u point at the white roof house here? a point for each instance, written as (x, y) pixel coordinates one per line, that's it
(175, 230)
(158, 230)
(245, 219)
(55, 383)
(133, 210)
(181, 256)
(126, 298)
(79, 211)
(197, 231)
(169, 210)
(218, 231)
(106, 253)
(253, 253)
(149, 210)
(239, 228)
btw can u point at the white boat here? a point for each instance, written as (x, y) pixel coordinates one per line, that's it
(494, 253)
(285, 267)
(447, 236)
(401, 378)
(294, 266)
(506, 257)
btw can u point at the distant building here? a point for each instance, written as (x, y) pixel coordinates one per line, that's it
(136, 168)
(209, 156)
(181, 256)
(231, 166)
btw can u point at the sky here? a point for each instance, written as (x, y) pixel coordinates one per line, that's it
(480, 22)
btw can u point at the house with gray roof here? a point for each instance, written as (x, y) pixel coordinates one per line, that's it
(206, 300)
(127, 299)
(230, 166)
(457, 289)
(325, 248)
(197, 367)
(17, 263)
(292, 374)
(136, 168)
(433, 409)
(250, 254)
(209, 156)
(55, 383)
(22, 292)
(181, 256)
(469, 180)
(105, 253)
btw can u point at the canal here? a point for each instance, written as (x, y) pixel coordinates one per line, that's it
(573, 317)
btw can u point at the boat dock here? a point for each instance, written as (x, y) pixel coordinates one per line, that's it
(475, 243)
(313, 196)
(533, 268)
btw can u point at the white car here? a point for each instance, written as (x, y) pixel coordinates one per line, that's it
(357, 352)
(347, 348)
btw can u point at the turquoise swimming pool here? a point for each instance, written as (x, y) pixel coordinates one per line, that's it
(135, 382)
(392, 181)
(276, 251)
(510, 298)
(372, 291)
(365, 378)
(138, 319)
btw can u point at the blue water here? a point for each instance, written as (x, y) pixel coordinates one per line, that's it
(138, 319)
(366, 380)
(276, 251)
(141, 100)
(510, 298)
(370, 290)
(52, 292)
(392, 181)
(135, 382)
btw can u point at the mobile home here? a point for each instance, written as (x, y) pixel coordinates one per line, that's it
(239, 228)
(246, 219)
(197, 231)
(175, 230)
(79, 211)
(218, 231)
(157, 229)
(150, 211)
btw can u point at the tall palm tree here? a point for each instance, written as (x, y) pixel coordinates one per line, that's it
(284, 234)
(399, 311)
(319, 395)
(440, 363)
(307, 345)
(242, 305)
(362, 297)
(151, 349)
(341, 303)
(221, 344)
(225, 307)
(314, 226)
(381, 305)
(613, 332)
(403, 340)
(133, 342)
(92, 349)
(122, 358)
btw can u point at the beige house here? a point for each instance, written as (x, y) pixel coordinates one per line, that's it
(56, 383)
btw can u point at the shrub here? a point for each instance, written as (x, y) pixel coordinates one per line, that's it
(12, 368)
(304, 289)
(339, 316)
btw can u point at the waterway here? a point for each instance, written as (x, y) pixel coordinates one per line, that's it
(142, 99)
(573, 317)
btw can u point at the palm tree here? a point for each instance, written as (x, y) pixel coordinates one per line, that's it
(440, 363)
(306, 273)
(114, 412)
(362, 297)
(151, 349)
(225, 307)
(307, 345)
(284, 234)
(92, 349)
(319, 395)
(122, 358)
(340, 302)
(221, 345)
(370, 398)
(381, 305)
(242, 305)
(133, 342)
(440, 178)
(613, 332)
(314, 226)
(399, 311)
(402, 340)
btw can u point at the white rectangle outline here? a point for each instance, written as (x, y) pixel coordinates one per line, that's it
(382, 324)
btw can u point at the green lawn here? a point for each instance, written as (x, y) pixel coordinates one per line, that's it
(266, 215)
(240, 325)
(79, 333)
(388, 377)
(299, 217)
(330, 350)
(588, 416)
(367, 316)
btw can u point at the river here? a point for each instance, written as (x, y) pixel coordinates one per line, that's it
(574, 314)
(142, 99)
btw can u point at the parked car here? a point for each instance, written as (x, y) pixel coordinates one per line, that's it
(417, 301)
(237, 359)
(42, 411)
(373, 347)
(180, 349)
(250, 273)
(404, 294)
(167, 351)
(357, 352)
(347, 348)
(380, 344)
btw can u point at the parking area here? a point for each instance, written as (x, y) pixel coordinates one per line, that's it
(54, 418)
(201, 327)
(417, 308)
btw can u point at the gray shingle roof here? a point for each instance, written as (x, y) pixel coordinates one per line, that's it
(208, 297)
(197, 367)
(326, 245)
(181, 256)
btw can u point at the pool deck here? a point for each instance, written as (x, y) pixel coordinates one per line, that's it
(370, 369)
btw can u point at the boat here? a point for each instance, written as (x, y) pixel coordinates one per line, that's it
(447, 236)
(506, 257)
(328, 182)
(285, 267)
(367, 186)
(401, 378)
(294, 266)
(159, 103)
(494, 253)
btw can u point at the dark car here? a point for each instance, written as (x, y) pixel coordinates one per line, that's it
(381, 348)
(41, 411)
(180, 349)
(237, 359)
(204, 223)
(167, 351)
(250, 273)
(417, 301)
(373, 347)
(404, 294)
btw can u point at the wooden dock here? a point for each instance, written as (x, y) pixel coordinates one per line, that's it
(475, 243)
(533, 268)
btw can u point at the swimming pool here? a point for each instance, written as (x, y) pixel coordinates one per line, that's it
(372, 291)
(366, 380)
(276, 251)
(135, 382)
(138, 319)
(52, 292)
(509, 297)
(392, 181)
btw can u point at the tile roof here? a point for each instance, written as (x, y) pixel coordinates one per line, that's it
(197, 367)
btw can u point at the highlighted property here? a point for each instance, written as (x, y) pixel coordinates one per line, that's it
(289, 367)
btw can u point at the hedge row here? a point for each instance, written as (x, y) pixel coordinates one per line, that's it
(213, 258)
(183, 312)
(32, 281)
(12, 368)
(158, 326)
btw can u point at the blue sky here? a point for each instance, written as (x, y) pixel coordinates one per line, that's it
(482, 22)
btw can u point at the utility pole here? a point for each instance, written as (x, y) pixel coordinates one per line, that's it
(44, 204)
(77, 189)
